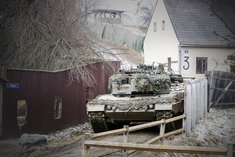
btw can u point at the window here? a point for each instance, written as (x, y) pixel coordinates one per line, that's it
(155, 27)
(201, 65)
(163, 25)
(125, 81)
(57, 107)
(21, 113)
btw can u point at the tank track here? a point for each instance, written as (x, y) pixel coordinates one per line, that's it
(98, 122)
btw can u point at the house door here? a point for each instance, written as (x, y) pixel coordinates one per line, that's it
(0, 109)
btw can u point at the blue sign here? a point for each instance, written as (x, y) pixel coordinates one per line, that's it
(13, 85)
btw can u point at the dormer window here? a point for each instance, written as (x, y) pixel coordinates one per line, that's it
(155, 26)
(163, 25)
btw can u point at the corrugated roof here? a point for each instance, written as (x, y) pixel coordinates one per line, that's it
(203, 23)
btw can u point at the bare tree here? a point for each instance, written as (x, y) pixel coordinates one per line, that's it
(47, 35)
(147, 11)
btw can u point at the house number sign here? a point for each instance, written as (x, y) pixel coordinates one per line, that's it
(186, 62)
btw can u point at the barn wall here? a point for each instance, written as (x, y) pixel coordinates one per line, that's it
(40, 88)
(1, 107)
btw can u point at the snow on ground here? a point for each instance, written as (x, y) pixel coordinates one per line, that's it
(56, 141)
(217, 129)
(70, 132)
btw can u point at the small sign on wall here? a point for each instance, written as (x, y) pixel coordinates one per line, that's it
(13, 85)
(186, 64)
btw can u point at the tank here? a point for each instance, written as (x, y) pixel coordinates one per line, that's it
(136, 96)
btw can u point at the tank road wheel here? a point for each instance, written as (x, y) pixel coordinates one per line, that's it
(166, 89)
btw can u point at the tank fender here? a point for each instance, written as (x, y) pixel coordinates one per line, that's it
(95, 108)
(163, 107)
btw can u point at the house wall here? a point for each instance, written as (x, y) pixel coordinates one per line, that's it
(39, 89)
(216, 58)
(161, 44)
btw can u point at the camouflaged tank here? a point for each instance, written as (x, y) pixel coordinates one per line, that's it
(139, 95)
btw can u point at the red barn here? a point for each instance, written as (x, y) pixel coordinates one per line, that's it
(44, 101)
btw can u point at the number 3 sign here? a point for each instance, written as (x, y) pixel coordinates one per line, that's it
(186, 62)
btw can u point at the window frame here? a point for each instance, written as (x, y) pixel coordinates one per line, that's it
(58, 103)
(201, 65)
(163, 25)
(155, 27)
(22, 112)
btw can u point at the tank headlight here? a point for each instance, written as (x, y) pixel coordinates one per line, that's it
(108, 107)
(114, 108)
(145, 107)
(151, 106)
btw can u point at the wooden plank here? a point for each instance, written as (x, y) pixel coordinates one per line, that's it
(202, 97)
(175, 118)
(206, 103)
(224, 79)
(193, 113)
(231, 150)
(222, 89)
(137, 127)
(188, 107)
(230, 103)
(131, 129)
(125, 139)
(178, 131)
(162, 131)
(158, 148)
(198, 101)
(86, 152)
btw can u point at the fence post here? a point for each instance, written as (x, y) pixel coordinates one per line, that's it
(193, 111)
(230, 150)
(184, 123)
(162, 131)
(205, 96)
(125, 139)
(188, 108)
(198, 101)
(207, 88)
(86, 152)
(202, 96)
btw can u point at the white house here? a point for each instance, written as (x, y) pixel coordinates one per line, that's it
(199, 34)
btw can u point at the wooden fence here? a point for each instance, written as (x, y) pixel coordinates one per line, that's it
(126, 130)
(195, 102)
(222, 88)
